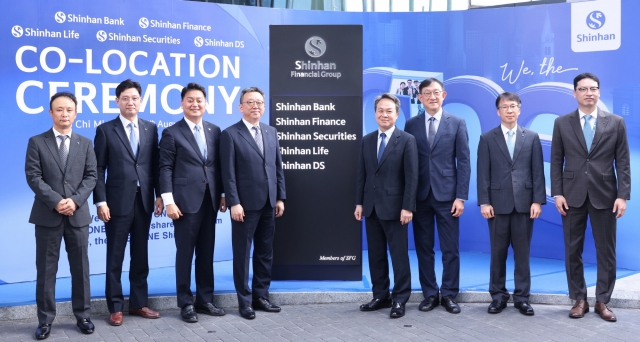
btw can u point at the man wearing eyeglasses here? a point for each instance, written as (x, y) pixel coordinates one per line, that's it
(191, 189)
(253, 181)
(511, 190)
(590, 177)
(443, 186)
(127, 155)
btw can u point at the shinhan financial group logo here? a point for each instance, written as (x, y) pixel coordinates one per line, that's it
(588, 29)
(315, 47)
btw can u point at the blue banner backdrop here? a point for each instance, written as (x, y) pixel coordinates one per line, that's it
(89, 47)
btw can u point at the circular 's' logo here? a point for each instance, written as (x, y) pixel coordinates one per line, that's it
(60, 17)
(16, 31)
(595, 20)
(101, 36)
(198, 41)
(315, 46)
(143, 22)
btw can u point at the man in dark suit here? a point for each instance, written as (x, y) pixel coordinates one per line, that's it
(386, 187)
(127, 154)
(60, 168)
(511, 190)
(443, 186)
(191, 189)
(589, 148)
(254, 185)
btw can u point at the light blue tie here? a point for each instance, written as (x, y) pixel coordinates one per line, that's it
(201, 144)
(133, 139)
(587, 130)
(511, 142)
(383, 144)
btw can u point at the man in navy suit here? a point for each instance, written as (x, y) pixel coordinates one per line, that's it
(60, 167)
(443, 186)
(254, 187)
(386, 188)
(127, 155)
(191, 189)
(590, 177)
(511, 190)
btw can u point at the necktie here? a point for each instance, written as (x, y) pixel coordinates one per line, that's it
(64, 152)
(133, 140)
(587, 130)
(511, 142)
(258, 138)
(383, 144)
(200, 142)
(432, 131)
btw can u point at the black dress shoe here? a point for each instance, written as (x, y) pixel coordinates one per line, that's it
(397, 310)
(376, 304)
(265, 305)
(85, 326)
(450, 305)
(429, 303)
(209, 309)
(524, 308)
(188, 314)
(43, 331)
(496, 306)
(247, 312)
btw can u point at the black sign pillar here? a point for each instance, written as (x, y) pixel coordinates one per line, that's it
(316, 106)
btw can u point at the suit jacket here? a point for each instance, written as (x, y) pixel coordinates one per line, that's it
(576, 173)
(50, 182)
(249, 178)
(182, 171)
(445, 168)
(507, 183)
(391, 185)
(123, 170)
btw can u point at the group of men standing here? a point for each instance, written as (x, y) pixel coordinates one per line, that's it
(194, 171)
(422, 176)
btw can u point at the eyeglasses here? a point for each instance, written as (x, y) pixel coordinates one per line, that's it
(252, 103)
(592, 89)
(436, 93)
(126, 99)
(512, 107)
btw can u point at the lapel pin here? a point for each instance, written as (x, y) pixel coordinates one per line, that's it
(209, 128)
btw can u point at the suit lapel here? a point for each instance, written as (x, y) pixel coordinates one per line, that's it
(142, 136)
(74, 147)
(244, 132)
(391, 144)
(422, 131)
(442, 127)
(120, 132)
(188, 134)
(601, 126)
(502, 144)
(577, 129)
(51, 142)
(208, 132)
(519, 142)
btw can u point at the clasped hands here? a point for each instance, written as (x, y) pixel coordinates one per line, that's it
(66, 206)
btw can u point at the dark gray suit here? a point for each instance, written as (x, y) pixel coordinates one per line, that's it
(588, 182)
(384, 189)
(51, 182)
(510, 186)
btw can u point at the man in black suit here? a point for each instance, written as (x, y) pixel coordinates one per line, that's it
(590, 177)
(127, 155)
(443, 186)
(191, 189)
(511, 191)
(60, 167)
(254, 185)
(386, 187)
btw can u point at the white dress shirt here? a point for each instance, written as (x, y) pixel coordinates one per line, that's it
(67, 142)
(388, 133)
(594, 116)
(506, 136)
(250, 126)
(436, 122)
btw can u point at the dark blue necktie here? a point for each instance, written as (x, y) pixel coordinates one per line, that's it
(383, 144)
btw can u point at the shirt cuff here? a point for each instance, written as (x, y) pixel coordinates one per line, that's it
(99, 204)
(167, 198)
(460, 199)
(222, 194)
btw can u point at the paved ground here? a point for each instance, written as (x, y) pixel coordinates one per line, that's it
(344, 322)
